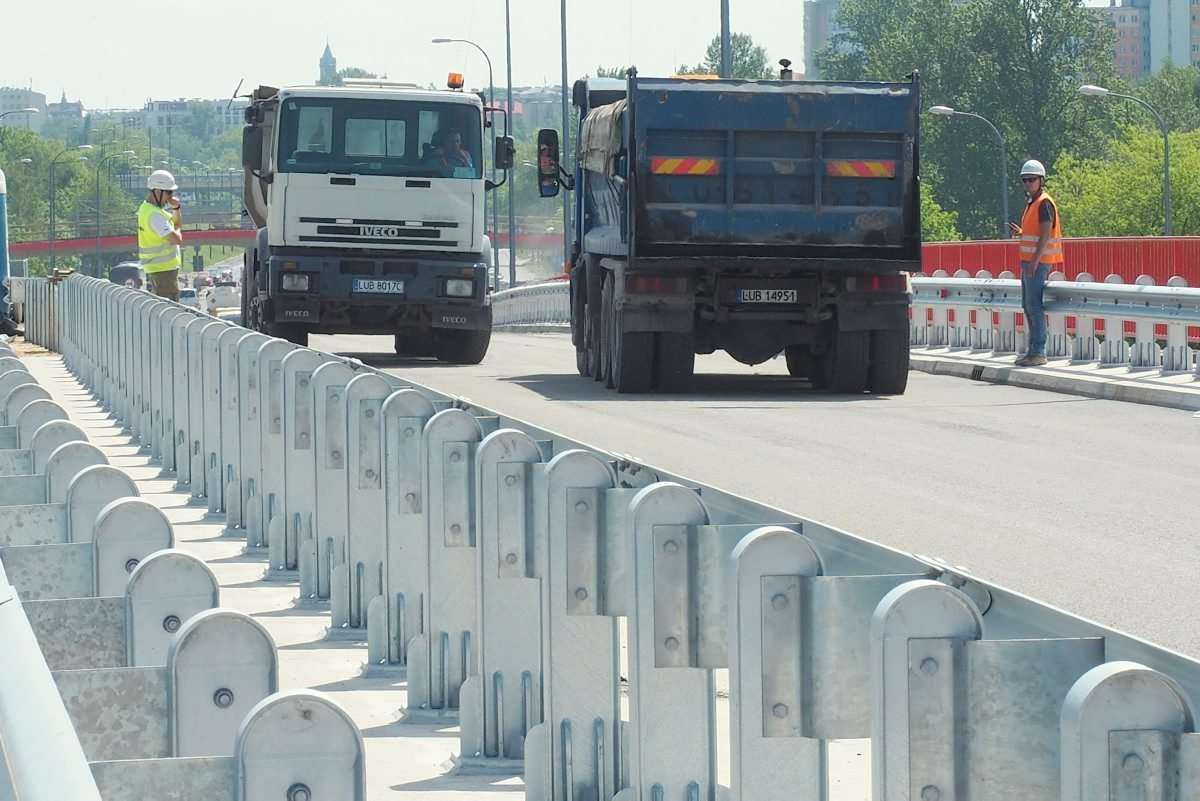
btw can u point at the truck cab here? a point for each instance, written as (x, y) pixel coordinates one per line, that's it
(369, 204)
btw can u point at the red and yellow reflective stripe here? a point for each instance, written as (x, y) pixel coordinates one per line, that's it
(842, 168)
(683, 165)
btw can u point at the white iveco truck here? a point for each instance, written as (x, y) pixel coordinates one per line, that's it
(369, 203)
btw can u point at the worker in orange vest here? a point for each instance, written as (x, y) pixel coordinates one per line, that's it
(1041, 251)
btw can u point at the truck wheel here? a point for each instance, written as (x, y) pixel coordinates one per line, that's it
(579, 316)
(889, 362)
(843, 368)
(297, 335)
(674, 361)
(630, 355)
(461, 347)
(799, 361)
(594, 280)
(604, 342)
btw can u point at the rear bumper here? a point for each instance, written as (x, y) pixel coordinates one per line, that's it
(332, 305)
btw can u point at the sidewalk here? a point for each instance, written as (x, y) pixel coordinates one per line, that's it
(1181, 391)
(406, 762)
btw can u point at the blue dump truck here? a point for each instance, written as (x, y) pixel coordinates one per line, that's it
(754, 217)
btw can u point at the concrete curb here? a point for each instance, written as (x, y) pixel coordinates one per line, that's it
(534, 328)
(1052, 380)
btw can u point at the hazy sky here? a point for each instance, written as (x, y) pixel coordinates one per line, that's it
(117, 54)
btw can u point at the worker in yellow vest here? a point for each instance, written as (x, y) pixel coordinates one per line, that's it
(1041, 251)
(159, 235)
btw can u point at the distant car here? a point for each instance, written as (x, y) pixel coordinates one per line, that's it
(129, 273)
(188, 297)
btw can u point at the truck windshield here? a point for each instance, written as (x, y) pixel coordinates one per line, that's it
(380, 137)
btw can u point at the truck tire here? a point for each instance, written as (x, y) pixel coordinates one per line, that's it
(461, 347)
(630, 355)
(674, 361)
(799, 360)
(297, 335)
(604, 348)
(579, 316)
(889, 362)
(843, 368)
(594, 281)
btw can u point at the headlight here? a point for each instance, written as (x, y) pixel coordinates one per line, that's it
(460, 288)
(295, 282)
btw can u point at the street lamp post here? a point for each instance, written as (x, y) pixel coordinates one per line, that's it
(53, 234)
(1090, 90)
(492, 101)
(99, 167)
(946, 111)
(512, 190)
(25, 111)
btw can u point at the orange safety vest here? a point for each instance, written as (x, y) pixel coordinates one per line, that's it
(1031, 232)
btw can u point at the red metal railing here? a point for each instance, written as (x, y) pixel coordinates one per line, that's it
(1158, 257)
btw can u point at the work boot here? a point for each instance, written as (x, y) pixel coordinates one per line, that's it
(1032, 360)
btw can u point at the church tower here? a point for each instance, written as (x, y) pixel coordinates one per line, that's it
(328, 68)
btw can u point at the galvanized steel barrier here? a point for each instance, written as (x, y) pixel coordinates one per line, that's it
(545, 303)
(121, 677)
(499, 564)
(983, 314)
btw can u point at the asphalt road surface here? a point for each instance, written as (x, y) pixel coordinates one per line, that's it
(1091, 505)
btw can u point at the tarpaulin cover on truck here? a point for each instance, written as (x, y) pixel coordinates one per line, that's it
(600, 140)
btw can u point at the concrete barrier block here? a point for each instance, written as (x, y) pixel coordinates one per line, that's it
(22, 490)
(329, 409)
(44, 572)
(118, 714)
(405, 414)
(33, 416)
(20, 397)
(366, 514)
(508, 659)
(229, 346)
(67, 461)
(213, 417)
(127, 531)
(79, 633)
(207, 778)
(273, 475)
(40, 524)
(164, 591)
(250, 423)
(49, 437)
(197, 396)
(9, 362)
(14, 461)
(90, 491)
(300, 486)
(220, 665)
(300, 745)
(8, 382)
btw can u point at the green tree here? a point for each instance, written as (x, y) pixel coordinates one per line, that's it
(1174, 92)
(611, 72)
(1018, 63)
(750, 61)
(937, 224)
(353, 72)
(1120, 194)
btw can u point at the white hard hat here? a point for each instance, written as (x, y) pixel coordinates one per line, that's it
(161, 179)
(1034, 167)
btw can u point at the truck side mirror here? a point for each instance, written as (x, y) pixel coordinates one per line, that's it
(548, 162)
(252, 142)
(506, 151)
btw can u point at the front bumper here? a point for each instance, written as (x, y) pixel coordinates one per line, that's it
(331, 305)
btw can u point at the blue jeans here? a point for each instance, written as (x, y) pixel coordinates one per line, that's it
(1033, 289)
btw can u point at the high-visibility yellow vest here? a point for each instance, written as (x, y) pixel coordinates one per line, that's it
(1031, 232)
(156, 253)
